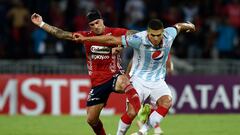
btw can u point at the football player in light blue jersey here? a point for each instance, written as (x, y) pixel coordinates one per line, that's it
(151, 49)
(149, 60)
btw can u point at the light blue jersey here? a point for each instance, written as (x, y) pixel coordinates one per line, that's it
(149, 62)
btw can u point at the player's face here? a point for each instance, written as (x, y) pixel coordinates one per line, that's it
(97, 26)
(155, 36)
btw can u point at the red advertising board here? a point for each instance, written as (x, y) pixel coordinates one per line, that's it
(67, 94)
(50, 94)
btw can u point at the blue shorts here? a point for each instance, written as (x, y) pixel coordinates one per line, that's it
(100, 94)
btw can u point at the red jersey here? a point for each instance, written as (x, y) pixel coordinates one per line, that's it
(102, 65)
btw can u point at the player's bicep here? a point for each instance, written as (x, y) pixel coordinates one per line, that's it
(132, 41)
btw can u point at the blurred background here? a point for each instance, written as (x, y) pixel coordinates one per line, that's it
(214, 48)
(40, 74)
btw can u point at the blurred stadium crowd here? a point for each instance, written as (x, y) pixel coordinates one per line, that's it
(217, 23)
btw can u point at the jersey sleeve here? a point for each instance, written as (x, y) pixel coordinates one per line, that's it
(84, 33)
(172, 31)
(119, 31)
(132, 41)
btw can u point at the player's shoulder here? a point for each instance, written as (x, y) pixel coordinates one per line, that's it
(116, 31)
(141, 34)
(85, 33)
(135, 39)
(115, 28)
(170, 32)
(138, 35)
(170, 29)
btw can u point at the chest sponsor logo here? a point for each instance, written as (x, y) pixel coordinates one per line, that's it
(157, 55)
(100, 49)
(100, 57)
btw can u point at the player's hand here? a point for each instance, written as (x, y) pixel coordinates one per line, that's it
(116, 50)
(36, 19)
(78, 37)
(191, 27)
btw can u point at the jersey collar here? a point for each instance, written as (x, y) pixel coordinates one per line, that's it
(149, 43)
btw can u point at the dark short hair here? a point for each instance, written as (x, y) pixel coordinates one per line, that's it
(155, 24)
(93, 15)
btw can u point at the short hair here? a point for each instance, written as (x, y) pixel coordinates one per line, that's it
(93, 15)
(155, 24)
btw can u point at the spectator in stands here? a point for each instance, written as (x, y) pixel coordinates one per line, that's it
(18, 16)
(226, 35)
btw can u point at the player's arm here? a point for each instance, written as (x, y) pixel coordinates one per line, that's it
(59, 33)
(131, 32)
(169, 65)
(129, 68)
(105, 39)
(117, 50)
(185, 27)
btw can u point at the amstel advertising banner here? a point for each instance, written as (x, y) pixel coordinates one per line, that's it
(67, 94)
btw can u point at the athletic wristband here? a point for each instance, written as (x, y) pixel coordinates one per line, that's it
(41, 24)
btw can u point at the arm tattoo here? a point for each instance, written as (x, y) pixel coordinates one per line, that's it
(59, 33)
(184, 27)
(131, 32)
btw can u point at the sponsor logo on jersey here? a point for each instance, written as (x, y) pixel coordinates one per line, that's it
(100, 49)
(157, 55)
(100, 57)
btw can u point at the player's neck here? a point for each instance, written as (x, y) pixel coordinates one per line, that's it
(160, 45)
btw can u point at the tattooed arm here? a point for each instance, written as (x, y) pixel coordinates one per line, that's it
(59, 33)
(186, 27)
(119, 49)
(106, 39)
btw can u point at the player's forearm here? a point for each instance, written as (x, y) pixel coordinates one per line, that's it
(170, 67)
(59, 33)
(104, 39)
(129, 67)
(185, 27)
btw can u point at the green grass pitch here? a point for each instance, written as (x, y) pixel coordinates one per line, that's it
(184, 124)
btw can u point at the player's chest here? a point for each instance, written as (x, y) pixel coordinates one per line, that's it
(98, 52)
(153, 54)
